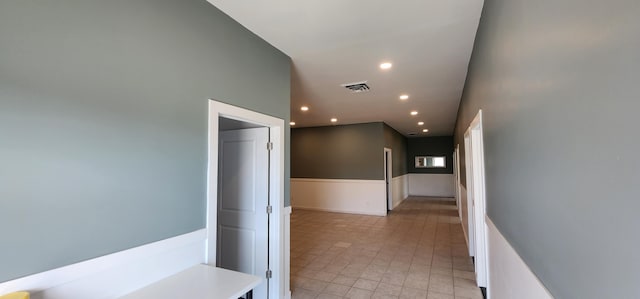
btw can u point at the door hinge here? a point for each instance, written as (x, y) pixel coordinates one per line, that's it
(269, 274)
(269, 209)
(270, 146)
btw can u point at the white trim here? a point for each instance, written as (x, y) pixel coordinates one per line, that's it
(342, 196)
(456, 179)
(276, 185)
(287, 252)
(510, 277)
(388, 175)
(469, 193)
(338, 181)
(339, 210)
(115, 274)
(276, 195)
(476, 166)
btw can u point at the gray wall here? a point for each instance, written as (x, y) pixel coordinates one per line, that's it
(430, 146)
(338, 152)
(103, 121)
(558, 85)
(398, 145)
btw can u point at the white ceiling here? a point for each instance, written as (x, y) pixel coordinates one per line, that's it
(333, 42)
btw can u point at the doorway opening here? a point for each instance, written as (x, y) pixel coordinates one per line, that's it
(388, 176)
(245, 196)
(456, 179)
(474, 162)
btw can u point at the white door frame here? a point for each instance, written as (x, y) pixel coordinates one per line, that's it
(456, 179)
(475, 170)
(388, 171)
(455, 191)
(470, 199)
(277, 256)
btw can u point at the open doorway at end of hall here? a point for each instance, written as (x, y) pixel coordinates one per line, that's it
(388, 176)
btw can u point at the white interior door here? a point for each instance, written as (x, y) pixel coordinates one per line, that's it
(243, 188)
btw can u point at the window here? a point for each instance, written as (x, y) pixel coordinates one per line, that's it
(431, 162)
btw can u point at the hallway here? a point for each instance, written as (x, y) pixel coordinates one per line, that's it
(417, 251)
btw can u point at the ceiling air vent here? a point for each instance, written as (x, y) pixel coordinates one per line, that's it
(357, 86)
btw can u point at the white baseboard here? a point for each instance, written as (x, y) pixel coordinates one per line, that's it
(342, 196)
(115, 274)
(509, 276)
(431, 184)
(400, 189)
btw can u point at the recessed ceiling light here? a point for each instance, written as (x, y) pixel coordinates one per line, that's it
(404, 97)
(425, 130)
(334, 120)
(420, 123)
(304, 108)
(386, 65)
(293, 123)
(414, 112)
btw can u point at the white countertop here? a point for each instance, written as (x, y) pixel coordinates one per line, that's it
(199, 282)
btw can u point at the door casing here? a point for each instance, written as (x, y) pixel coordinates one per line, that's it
(276, 187)
(456, 180)
(474, 162)
(470, 200)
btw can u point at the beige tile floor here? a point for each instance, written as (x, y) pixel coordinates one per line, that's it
(417, 251)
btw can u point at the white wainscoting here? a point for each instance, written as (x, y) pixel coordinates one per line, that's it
(509, 276)
(431, 184)
(400, 189)
(115, 274)
(343, 196)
